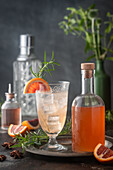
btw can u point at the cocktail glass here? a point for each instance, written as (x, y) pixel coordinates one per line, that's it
(52, 110)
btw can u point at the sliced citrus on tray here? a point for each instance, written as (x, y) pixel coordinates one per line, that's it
(103, 154)
(31, 124)
(36, 84)
(17, 129)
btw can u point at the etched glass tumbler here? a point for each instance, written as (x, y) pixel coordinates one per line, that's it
(52, 110)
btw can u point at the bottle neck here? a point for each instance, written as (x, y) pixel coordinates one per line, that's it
(99, 65)
(26, 51)
(10, 99)
(87, 83)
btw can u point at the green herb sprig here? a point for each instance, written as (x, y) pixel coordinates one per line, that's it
(109, 115)
(46, 66)
(37, 138)
(31, 138)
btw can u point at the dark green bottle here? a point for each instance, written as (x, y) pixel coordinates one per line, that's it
(102, 84)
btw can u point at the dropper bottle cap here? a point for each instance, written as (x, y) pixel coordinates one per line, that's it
(10, 94)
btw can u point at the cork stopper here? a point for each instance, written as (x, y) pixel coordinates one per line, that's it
(87, 66)
(88, 69)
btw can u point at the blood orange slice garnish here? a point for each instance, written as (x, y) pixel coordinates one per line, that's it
(17, 129)
(103, 154)
(31, 124)
(36, 84)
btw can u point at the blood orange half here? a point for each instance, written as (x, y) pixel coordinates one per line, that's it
(31, 124)
(36, 84)
(17, 129)
(103, 154)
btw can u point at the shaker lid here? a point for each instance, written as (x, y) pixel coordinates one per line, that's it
(27, 40)
(87, 66)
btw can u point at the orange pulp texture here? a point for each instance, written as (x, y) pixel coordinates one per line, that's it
(103, 154)
(17, 129)
(31, 124)
(88, 128)
(36, 84)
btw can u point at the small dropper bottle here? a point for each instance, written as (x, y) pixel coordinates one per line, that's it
(10, 110)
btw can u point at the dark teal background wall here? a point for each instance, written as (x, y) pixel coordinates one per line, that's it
(41, 18)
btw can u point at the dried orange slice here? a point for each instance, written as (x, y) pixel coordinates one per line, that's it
(103, 154)
(31, 124)
(36, 84)
(17, 129)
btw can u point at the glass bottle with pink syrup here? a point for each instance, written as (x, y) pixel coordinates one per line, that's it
(10, 110)
(88, 114)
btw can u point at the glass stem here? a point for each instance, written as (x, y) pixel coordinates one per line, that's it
(52, 141)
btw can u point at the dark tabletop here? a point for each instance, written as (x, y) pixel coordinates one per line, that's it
(32, 161)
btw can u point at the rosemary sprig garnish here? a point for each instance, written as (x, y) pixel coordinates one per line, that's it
(46, 66)
(30, 138)
(37, 138)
